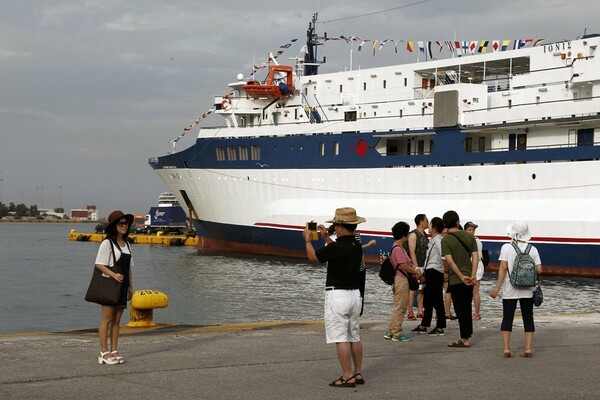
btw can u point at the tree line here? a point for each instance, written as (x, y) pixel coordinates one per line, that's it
(22, 210)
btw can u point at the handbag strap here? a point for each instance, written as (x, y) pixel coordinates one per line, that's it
(112, 249)
(463, 243)
(403, 272)
(396, 267)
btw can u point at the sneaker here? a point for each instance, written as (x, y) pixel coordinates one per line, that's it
(401, 338)
(420, 329)
(388, 335)
(436, 332)
(411, 316)
(476, 316)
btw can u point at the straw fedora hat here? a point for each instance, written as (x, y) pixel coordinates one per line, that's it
(115, 216)
(346, 215)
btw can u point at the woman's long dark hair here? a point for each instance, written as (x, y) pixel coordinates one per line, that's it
(111, 232)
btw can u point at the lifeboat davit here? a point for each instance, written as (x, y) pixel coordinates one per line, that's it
(273, 88)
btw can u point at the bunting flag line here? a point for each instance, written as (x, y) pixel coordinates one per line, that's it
(196, 122)
(505, 44)
(374, 44)
(409, 46)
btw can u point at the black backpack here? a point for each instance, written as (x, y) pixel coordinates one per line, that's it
(485, 257)
(387, 271)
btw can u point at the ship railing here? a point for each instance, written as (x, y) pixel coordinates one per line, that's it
(421, 94)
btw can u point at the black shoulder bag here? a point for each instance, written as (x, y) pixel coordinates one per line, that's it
(104, 289)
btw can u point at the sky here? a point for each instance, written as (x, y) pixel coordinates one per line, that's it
(91, 89)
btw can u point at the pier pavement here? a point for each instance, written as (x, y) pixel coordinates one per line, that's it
(290, 360)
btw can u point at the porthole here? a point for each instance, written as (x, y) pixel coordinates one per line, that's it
(470, 178)
(533, 176)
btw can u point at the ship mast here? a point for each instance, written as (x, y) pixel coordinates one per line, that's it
(311, 65)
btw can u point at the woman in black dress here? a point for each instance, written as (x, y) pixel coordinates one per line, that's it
(114, 259)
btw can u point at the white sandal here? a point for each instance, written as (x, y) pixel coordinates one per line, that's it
(116, 355)
(110, 360)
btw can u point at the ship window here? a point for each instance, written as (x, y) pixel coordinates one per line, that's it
(322, 149)
(517, 141)
(220, 153)
(350, 116)
(255, 152)
(482, 144)
(509, 103)
(421, 147)
(341, 88)
(405, 82)
(585, 137)
(295, 113)
(336, 148)
(469, 145)
(364, 85)
(384, 83)
(400, 113)
(243, 153)
(231, 153)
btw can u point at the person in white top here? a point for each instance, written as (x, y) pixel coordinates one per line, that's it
(519, 232)
(470, 227)
(433, 292)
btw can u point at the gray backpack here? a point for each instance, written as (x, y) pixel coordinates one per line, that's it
(523, 271)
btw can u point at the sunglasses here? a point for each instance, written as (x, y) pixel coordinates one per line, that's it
(123, 223)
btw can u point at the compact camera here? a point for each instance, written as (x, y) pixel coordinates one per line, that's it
(312, 227)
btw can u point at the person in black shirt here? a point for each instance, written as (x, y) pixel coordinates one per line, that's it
(342, 295)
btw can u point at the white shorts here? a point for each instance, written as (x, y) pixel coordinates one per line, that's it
(342, 315)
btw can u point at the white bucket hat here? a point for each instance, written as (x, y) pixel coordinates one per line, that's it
(519, 230)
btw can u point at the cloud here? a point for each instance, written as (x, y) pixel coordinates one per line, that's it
(92, 88)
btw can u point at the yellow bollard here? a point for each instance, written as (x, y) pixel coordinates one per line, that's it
(143, 302)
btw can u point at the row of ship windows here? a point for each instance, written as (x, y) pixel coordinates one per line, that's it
(425, 84)
(252, 152)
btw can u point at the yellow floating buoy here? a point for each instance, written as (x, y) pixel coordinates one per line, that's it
(143, 302)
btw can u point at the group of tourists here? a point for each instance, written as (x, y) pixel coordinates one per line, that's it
(449, 256)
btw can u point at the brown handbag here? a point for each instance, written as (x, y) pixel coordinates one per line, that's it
(104, 290)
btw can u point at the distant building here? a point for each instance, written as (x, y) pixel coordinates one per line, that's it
(89, 213)
(49, 213)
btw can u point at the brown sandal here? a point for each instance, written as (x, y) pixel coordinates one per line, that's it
(342, 382)
(527, 354)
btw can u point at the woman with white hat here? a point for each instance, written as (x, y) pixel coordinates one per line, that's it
(520, 235)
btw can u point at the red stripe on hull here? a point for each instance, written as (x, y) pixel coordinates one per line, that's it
(539, 239)
(235, 248)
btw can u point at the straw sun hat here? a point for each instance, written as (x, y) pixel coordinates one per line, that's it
(346, 215)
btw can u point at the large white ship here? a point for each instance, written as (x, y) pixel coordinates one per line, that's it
(497, 137)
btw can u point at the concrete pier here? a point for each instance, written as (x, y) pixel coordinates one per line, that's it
(165, 240)
(290, 360)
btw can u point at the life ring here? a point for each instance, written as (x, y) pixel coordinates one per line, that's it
(225, 104)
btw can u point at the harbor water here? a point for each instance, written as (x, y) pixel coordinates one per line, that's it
(45, 276)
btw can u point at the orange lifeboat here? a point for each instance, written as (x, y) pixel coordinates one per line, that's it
(273, 88)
